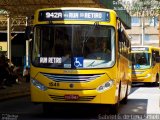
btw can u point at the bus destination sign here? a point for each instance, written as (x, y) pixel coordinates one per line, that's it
(139, 49)
(82, 15)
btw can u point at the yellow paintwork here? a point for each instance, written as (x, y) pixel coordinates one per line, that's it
(120, 72)
(39, 95)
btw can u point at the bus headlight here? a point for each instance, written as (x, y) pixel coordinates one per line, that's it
(105, 86)
(148, 75)
(38, 85)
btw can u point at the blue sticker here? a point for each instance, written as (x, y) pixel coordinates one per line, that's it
(137, 66)
(78, 62)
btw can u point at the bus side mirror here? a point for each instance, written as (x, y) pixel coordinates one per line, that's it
(27, 32)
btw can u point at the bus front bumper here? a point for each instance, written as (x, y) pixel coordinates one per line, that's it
(147, 78)
(74, 96)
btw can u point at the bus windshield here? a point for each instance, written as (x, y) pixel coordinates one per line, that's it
(73, 46)
(141, 60)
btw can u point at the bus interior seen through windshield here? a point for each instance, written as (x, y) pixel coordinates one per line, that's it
(66, 41)
(141, 60)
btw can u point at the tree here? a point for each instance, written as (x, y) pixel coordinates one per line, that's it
(146, 8)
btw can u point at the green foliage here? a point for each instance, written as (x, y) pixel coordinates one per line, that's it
(145, 8)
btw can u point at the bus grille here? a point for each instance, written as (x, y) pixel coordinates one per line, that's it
(81, 98)
(72, 78)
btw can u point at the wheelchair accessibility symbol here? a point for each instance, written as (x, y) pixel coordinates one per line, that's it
(137, 66)
(78, 62)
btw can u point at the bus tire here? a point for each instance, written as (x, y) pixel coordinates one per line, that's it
(125, 99)
(156, 81)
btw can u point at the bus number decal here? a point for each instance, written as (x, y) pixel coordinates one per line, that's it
(53, 15)
(54, 84)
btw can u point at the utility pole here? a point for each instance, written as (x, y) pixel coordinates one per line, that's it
(9, 37)
(27, 48)
(143, 27)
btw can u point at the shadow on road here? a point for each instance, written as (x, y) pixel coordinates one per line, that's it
(68, 113)
(144, 85)
(136, 86)
(134, 106)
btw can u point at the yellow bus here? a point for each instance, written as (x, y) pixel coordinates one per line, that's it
(145, 64)
(80, 56)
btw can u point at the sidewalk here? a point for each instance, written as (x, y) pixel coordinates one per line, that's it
(16, 90)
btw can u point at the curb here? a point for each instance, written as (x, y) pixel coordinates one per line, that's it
(14, 95)
(15, 91)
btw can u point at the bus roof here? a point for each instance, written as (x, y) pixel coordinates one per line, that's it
(77, 8)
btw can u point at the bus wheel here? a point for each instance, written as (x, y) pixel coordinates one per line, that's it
(125, 99)
(156, 81)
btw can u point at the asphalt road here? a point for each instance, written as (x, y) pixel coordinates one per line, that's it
(143, 104)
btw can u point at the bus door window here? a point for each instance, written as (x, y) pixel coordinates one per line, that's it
(155, 56)
(122, 43)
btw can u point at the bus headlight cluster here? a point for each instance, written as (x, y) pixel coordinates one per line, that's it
(148, 75)
(105, 86)
(38, 85)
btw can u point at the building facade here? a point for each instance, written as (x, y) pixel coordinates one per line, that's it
(144, 21)
(144, 31)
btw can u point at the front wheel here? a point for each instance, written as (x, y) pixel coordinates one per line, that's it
(114, 108)
(156, 81)
(125, 99)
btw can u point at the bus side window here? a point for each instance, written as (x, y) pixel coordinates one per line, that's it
(158, 59)
(157, 56)
(120, 45)
(154, 57)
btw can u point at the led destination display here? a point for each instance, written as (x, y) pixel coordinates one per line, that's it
(52, 15)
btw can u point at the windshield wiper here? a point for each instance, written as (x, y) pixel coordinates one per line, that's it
(94, 65)
(90, 65)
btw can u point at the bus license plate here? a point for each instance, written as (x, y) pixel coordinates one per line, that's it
(71, 97)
